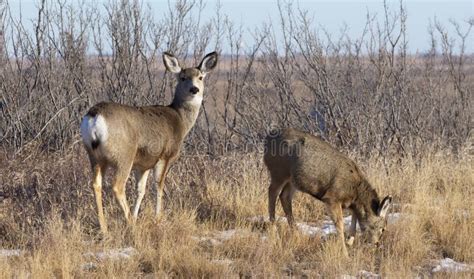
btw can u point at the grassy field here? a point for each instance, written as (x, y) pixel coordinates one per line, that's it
(210, 229)
(405, 117)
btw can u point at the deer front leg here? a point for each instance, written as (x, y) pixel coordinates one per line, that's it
(335, 211)
(273, 192)
(352, 230)
(141, 177)
(160, 171)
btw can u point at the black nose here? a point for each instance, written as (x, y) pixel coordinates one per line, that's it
(194, 90)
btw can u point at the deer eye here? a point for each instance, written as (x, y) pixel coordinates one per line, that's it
(183, 78)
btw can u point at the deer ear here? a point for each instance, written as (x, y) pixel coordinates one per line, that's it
(384, 206)
(171, 63)
(208, 63)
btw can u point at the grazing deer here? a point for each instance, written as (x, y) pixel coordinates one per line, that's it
(300, 161)
(123, 137)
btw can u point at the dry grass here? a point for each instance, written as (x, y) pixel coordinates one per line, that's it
(48, 212)
(396, 104)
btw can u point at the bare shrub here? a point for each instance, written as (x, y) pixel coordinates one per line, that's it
(368, 94)
(406, 117)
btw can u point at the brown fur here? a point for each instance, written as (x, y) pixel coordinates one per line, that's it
(300, 161)
(150, 133)
(144, 138)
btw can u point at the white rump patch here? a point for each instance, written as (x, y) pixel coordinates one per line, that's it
(94, 129)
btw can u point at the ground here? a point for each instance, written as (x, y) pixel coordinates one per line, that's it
(215, 223)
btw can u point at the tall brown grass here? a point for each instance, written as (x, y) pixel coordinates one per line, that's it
(406, 118)
(48, 213)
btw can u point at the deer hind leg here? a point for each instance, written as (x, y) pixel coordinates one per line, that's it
(274, 191)
(121, 175)
(286, 197)
(335, 211)
(141, 177)
(160, 171)
(98, 172)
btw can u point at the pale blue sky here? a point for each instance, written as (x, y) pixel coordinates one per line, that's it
(330, 14)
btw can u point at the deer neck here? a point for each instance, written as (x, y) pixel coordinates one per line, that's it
(188, 110)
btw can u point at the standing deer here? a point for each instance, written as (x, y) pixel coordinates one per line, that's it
(122, 137)
(300, 161)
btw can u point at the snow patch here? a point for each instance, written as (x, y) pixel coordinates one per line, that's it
(113, 254)
(219, 237)
(209, 241)
(450, 265)
(10, 252)
(226, 235)
(362, 274)
(222, 261)
(393, 217)
(308, 230)
(463, 213)
(324, 230)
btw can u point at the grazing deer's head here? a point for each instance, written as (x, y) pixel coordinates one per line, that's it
(376, 225)
(190, 85)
